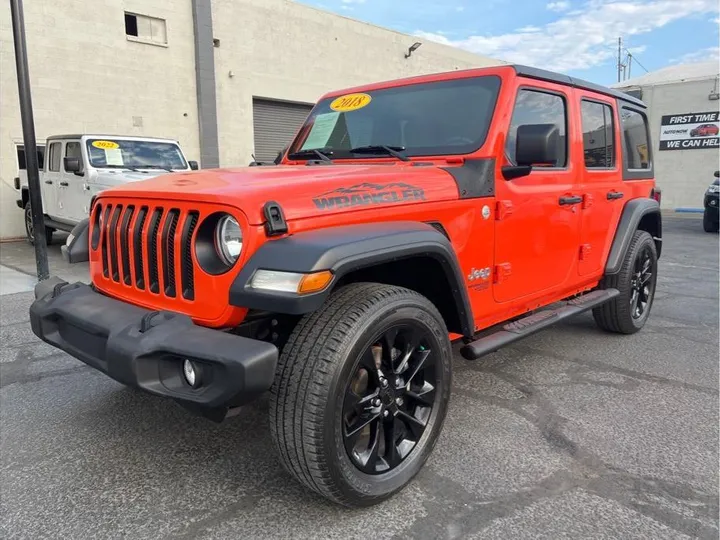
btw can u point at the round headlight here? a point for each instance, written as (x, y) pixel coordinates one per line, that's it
(228, 240)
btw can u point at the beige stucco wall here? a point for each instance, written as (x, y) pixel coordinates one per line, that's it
(682, 175)
(87, 77)
(279, 49)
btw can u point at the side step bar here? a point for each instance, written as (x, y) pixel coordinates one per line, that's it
(526, 326)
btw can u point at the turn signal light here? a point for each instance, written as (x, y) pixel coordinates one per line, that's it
(311, 283)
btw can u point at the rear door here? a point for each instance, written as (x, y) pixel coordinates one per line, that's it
(538, 215)
(602, 185)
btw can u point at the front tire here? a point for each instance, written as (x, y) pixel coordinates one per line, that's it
(361, 392)
(710, 225)
(636, 281)
(29, 228)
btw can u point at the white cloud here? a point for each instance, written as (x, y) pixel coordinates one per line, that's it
(562, 5)
(703, 55)
(580, 39)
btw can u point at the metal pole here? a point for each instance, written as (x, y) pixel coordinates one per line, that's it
(619, 59)
(629, 66)
(28, 126)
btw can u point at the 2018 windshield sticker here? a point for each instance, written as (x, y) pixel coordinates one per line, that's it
(368, 194)
(350, 102)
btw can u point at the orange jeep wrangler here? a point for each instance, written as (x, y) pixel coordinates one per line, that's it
(481, 205)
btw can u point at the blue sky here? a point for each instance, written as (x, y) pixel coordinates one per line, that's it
(577, 37)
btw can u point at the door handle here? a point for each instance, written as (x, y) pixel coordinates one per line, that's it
(86, 187)
(64, 184)
(611, 195)
(574, 199)
(48, 181)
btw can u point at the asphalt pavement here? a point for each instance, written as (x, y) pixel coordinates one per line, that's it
(572, 433)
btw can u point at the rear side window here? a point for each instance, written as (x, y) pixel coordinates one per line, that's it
(635, 136)
(537, 107)
(54, 157)
(22, 163)
(598, 135)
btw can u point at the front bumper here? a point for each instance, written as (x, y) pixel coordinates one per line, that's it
(146, 349)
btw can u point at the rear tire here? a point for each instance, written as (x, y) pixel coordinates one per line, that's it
(636, 281)
(709, 224)
(29, 229)
(329, 393)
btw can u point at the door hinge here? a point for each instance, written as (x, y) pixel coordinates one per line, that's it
(585, 250)
(587, 200)
(503, 209)
(502, 272)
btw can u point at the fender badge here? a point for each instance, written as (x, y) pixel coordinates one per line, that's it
(485, 212)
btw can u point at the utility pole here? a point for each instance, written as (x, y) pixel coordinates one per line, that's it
(629, 65)
(28, 126)
(619, 63)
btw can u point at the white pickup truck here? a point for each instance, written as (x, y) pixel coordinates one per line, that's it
(79, 166)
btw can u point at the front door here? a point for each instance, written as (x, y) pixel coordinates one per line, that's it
(538, 215)
(602, 190)
(51, 177)
(77, 200)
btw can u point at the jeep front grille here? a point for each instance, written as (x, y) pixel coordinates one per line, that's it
(138, 247)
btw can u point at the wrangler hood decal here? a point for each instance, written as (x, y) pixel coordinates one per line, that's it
(302, 191)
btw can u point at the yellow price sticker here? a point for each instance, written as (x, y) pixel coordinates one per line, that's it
(106, 145)
(350, 102)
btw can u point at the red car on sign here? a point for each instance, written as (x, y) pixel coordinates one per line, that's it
(705, 130)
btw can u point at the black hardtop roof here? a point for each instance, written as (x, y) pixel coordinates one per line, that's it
(551, 76)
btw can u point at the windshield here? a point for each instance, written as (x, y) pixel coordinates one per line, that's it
(118, 153)
(437, 118)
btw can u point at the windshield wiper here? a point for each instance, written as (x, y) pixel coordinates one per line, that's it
(381, 148)
(133, 169)
(158, 167)
(322, 153)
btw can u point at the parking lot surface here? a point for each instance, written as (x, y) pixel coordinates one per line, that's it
(572, 433)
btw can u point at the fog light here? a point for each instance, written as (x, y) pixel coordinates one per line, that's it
(192, 374)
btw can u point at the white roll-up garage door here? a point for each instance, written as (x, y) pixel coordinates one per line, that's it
(275, 124)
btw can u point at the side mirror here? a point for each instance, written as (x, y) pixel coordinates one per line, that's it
(537, 144)
(193, 165)
(72, 164)
(717, 174)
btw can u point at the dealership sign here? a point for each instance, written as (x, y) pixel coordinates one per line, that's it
(690, 131)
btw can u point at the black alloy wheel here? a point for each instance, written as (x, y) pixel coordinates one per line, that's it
(389, 399)
(641, 283)
(361, 392)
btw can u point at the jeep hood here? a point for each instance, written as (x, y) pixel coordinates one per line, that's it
(121, 176)
(301, 190)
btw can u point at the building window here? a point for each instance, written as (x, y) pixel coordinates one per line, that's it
(145, 29)
(54, 158)
(22, 164)
(535, 107)
(635, 134)
(598, 135)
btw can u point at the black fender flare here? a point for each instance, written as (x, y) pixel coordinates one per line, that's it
(77, 246)
(342, 250)
(635, 211)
